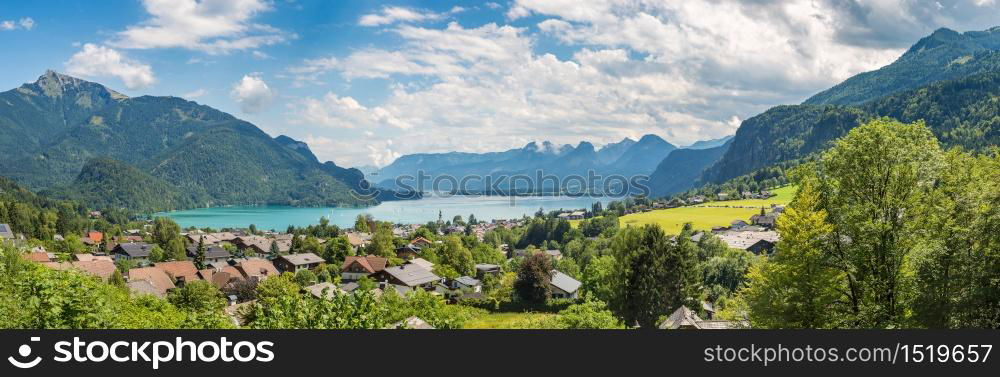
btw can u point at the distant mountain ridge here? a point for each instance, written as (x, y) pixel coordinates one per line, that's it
(679, 171)
(706, 144)
(627, 157)
(55, 126)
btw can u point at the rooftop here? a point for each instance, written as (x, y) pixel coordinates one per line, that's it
(412, 275)
(302, 259)
(6, 232)
(564, 282)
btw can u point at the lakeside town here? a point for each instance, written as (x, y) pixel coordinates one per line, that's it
(328, 261)
(166, 167)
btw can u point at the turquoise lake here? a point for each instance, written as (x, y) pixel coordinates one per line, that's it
(401, 212)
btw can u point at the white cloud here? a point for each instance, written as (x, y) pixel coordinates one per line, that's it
(683, 70)
(487, 90)
(200, 92)
(26, 23)
(252, 93)
(101, 61)
(390, 15)
(382, 153)
(212, 26)
(312, 69)
(344, 113)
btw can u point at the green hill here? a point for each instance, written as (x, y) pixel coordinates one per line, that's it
(106, 183)
(681, 168)
(957, 99)
(943, 55)
(57, 124)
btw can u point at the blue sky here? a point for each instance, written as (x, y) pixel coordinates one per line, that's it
(365, 81)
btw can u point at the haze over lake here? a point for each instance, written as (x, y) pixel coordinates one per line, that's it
(404, 212)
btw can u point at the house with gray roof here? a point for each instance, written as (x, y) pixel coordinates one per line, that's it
(134, 251)
(483, 269)
(324, 290)
(295, 262)
(684, 318)
(6, 233)
(409, 275)
(213, 253)
(563, 286)
(461, 285)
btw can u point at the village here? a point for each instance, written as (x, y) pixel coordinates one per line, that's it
(234, 259)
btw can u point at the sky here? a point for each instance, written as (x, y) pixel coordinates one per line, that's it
(364, 82)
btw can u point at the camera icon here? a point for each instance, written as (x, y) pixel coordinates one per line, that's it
(25, 351)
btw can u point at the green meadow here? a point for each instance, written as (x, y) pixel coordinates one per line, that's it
(708, 215)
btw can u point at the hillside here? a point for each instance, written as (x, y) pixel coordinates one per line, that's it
(106, 183)
(679, 170)
(957, 99)
(59, 123)
(943, 55)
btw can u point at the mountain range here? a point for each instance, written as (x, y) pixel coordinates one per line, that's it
(950, 80)
(627, 157)
(78, 139)
(75, 139)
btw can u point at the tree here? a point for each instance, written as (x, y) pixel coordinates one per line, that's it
(533, 279)
(588, 315)
(199, 256)
(455, 255)
(955, 267)
(305, 278)
(337, 250)
(156, 254)
(382, 244)
(486, 254)
(244, 290)
(797, 288)
(602, 280)
(569, 267)
(660, 274)
(116, 279)
(873, 184)
(164, 231)
(273, 249)
(324, 276)
(362, 223)
(175, 249)
(199, 296)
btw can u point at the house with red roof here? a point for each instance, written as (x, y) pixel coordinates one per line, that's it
(354, 267)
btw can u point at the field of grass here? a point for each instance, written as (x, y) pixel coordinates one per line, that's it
(704, 217)
(503, 320)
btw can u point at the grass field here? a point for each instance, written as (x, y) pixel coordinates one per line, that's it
(502, 320)
(704, 217)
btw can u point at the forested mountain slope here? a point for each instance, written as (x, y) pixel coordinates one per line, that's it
(957, 98)
(54, 126)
